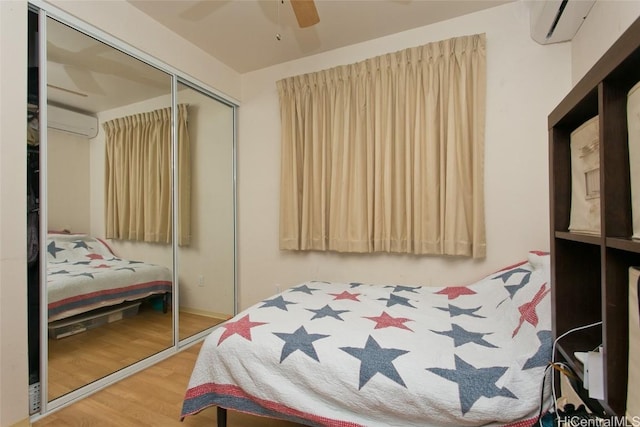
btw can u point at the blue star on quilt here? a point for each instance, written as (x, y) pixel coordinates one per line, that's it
(304, 288)
(396, 299)
(462, 336)
(474, 383)
(327, 311)
(84, 274)
(53, 249)
(126, 268)
(354, 284)
(513, 289)
(277, 302)
(543, 355)
(80, 244)
(299, 340)
(60, 272)
(82, 263)
(375, 359)
(400, 288)
(459, 311)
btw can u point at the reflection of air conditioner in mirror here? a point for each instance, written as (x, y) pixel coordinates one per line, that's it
(554, 21)
(71, 121)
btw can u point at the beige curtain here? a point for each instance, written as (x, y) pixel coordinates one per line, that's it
(387, 155)
(138, 177)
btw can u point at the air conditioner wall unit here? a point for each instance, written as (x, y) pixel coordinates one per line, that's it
(555, 21)
(71, 121)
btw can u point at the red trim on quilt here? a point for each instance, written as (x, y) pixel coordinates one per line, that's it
(108, 292)
(518, 264)
(523, 423)
(235, 391)
(107, 246)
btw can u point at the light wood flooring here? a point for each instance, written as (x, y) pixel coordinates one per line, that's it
(79, 359)
(151, 398)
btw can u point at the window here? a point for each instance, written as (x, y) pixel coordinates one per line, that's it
(387, 155)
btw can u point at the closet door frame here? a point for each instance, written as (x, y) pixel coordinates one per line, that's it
(45, 11)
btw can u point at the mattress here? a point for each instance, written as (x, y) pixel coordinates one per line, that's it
(355, 354)
(83, 274)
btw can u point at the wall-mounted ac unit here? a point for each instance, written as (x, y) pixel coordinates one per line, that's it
(554, 21)
(71, 121)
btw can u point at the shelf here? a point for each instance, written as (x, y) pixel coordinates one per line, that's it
(590, 273)
(629, 245)
(584, 340)
(578, 237)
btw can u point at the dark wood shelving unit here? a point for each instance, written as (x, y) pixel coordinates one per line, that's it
(589, 273)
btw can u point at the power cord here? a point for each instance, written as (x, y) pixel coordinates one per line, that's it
(563, 368)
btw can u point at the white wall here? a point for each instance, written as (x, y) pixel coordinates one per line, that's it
(606, 21)
(13, 183)
(524, 83)
(67, 181)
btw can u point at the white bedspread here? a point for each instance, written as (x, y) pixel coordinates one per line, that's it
(352, 354)
(83, 274)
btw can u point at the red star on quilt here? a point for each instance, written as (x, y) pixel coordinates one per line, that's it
(95, 256)
(241, 327)
(453, 292)
(346, 295)
(386, 321)
(528, 309)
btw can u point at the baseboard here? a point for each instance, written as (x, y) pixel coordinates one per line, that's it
(205, 313)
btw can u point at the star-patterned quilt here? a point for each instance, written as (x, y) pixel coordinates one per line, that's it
(354, 354)
(83, 274)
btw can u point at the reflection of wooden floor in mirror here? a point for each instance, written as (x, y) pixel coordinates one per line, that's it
(151, 398)
(79, 359)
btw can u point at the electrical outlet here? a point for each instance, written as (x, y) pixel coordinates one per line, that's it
(201, 281)
(34, 398)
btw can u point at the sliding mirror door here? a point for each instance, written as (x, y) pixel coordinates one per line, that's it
(206, 208)
(109, 257)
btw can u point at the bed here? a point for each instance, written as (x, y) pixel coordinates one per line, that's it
(354, 354)
(83, 275)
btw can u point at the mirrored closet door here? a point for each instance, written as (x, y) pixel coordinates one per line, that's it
(207, 261)
(137, 218)
(109, 265)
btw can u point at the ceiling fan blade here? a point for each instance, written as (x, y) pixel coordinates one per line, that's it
(306, 12)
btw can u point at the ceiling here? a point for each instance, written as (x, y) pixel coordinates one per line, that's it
(87, 75)
(242, 33)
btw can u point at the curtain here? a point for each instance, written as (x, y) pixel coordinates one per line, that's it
(138, 177)
(387, 155)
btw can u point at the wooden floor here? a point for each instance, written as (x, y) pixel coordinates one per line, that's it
(80, 359)
(151, 398)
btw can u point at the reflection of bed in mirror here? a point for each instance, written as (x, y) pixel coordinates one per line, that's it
(88, 285)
